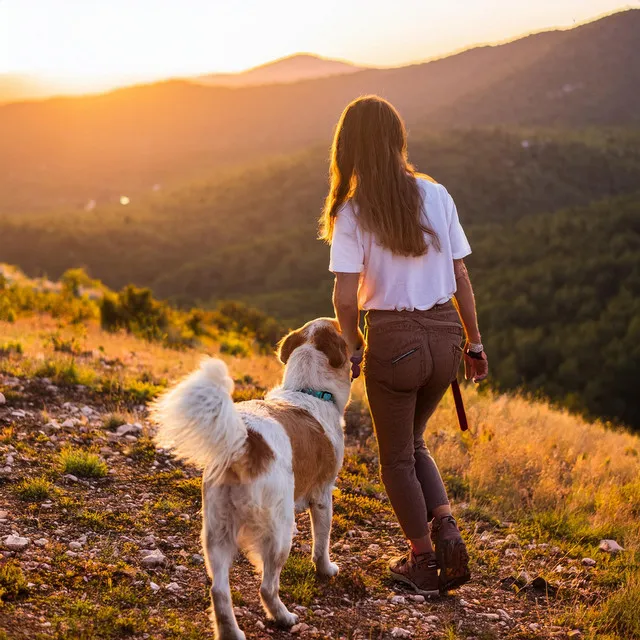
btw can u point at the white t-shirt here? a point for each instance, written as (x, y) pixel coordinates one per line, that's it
(389, 281)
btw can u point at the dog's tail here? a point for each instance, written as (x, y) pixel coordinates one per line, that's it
(198, 420)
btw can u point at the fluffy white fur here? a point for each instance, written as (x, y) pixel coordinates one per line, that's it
(200, 421)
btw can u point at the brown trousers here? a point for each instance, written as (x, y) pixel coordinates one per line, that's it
(411, 358)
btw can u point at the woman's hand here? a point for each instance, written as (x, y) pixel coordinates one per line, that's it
(357, 354)
(476, 369)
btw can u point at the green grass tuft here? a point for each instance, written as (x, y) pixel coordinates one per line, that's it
(298, 580)
(12, 581)
(34, 490)
(82, 463)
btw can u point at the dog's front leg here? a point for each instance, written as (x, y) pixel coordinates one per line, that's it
(321, 515)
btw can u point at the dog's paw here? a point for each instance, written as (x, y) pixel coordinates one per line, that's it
(327, 568)
(287, 619)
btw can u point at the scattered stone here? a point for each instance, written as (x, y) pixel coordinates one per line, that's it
(397, 600)
(3, 400)
(41, 542)
(534, 626)
(399, 632)
(131, 438)
(503, 614)
(196, 557)
(153, 558)
(5, 471)
(416, 598)
(70, 477)
(4, 515)
(71, 554)
(75, 546)
(464, 603)
(125, 429)
(298, 628)
(16, 543)
(610, 546)
(588, 562)
(154, 586)
(491, 616)
(69, 423)
(432, 619)
(174, 587)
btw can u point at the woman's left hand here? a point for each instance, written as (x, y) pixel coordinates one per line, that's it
(356, 361)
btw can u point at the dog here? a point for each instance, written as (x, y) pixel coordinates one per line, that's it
(263, 460)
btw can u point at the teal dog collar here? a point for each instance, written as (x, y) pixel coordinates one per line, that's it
(322, 395)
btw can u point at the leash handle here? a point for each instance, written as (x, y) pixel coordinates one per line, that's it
(457, 398)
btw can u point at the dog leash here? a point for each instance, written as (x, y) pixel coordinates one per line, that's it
(457, 399)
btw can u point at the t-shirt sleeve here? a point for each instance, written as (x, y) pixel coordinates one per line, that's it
(460, 246)
(347, 250)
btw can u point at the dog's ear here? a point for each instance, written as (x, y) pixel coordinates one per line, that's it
(290, 342)
(332, 344)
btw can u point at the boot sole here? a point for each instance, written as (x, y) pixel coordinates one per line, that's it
(453, 560)
(433, 593)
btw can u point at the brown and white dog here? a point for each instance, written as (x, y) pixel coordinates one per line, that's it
(263, 460)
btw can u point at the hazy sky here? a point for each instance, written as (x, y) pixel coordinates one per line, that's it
(132, 39)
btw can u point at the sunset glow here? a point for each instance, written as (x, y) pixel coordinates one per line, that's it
(90, 44)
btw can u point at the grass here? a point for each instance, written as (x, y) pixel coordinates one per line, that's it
(113, 421)
(298, 580)
(34, 490)
(620, 614)
(13, 584)
(83, 464)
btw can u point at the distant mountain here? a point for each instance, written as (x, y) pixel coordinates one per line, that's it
(14, 86)
(65, 152)
(302, 66)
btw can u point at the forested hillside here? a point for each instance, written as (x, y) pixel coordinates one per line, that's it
(556, 291)
(67, 152)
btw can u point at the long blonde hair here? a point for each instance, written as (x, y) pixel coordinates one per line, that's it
(369, 165)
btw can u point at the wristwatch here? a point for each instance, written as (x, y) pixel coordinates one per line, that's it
(475, 350)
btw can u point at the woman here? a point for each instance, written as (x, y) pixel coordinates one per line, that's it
(397, 252)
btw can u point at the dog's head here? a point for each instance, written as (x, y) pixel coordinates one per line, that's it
(323, 335)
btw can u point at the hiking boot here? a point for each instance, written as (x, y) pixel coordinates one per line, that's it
(451, 553)
(419, 572)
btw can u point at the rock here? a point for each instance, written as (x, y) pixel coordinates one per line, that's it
(3, 400)
(125, 429)
(71, 477)
(588, 562)
(464, 603)
(511, 553)
(153, 559)
(181, 568)
(69, 423)
(174, 587)
(534, 626)
(86, 411)
(399, 632)
(298, 628)
(397, 600)
(374, 548)
(75, 546)
(41, 542)
(5, 471)
(416, 598)
(610, 546)
(4, 515)
(196, 557)
(503, 614)
(154, 586)
(432, 619)
(71, 554)
(16, 543)
(131, 438)
(491, 616)
(9, 460)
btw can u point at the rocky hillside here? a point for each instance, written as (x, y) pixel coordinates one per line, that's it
(99, 528)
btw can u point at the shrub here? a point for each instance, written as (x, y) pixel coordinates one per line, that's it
(82, 463)
(13, 346)
(235, 345)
